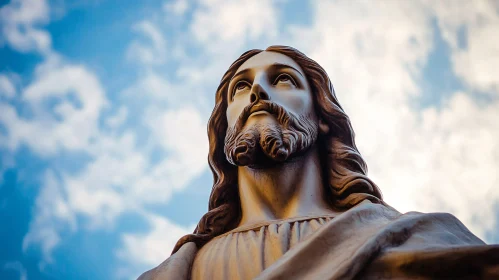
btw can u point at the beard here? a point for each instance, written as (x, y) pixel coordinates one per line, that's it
(274, 142)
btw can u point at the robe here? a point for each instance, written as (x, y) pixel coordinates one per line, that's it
(368, 241)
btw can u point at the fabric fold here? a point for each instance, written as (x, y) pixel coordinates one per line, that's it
(369, 241)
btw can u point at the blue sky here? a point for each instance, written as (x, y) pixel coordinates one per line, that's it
(104, 105)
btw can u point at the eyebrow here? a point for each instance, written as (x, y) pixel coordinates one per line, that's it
(278, 65)
(275, 66)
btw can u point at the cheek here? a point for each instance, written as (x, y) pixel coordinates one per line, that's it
(233, 111)
(299, 102)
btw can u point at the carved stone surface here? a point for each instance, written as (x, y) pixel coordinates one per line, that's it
(291, 198)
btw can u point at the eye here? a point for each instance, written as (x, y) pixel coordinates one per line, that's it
(284, 79)
(240, 86)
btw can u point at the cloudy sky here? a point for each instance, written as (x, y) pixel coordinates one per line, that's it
(104, 105)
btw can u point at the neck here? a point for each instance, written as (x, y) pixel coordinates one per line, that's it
(286, 190)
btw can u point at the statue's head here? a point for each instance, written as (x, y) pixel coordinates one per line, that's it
(270, 111)
(271, 106)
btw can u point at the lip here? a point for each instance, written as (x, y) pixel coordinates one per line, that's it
(258, 108)
(259, 112)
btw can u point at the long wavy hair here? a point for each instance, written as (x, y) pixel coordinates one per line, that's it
(343, 168)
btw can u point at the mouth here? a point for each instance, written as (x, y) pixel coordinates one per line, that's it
(258, 110)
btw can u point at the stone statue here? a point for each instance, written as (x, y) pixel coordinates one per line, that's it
(291, 198)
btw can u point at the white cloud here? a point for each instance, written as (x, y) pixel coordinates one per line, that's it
(7, 88)
(193, 85)
(458, 161)
(70, 124)
(121, 177)
(470, 28)
(104, 188)
(66, 102)
(155, 246)
(118, 119)
(53, 216)
(17, 266)
(435, 160)
(152, 50)
(182, 132)
(20, 19)
(154, 86)
(225, 26)
(177, 7)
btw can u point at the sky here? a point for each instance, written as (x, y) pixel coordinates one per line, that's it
(104, 106)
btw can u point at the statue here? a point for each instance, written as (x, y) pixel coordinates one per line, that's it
(291, 198)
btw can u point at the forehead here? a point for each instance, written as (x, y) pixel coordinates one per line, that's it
(265, 59)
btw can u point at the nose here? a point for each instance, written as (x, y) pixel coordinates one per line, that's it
(258, 93)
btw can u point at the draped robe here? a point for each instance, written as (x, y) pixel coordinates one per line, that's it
(368, 241)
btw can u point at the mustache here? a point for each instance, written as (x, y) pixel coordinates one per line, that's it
(292, 134)
(279, 112)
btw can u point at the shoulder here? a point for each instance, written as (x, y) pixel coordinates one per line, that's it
(433, 229)
(148, 275)
(177, 266)
(440, 228)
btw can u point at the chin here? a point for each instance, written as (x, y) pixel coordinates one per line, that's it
(263, 141)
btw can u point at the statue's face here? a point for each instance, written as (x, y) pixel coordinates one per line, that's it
(269, 76)
(270, 112)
